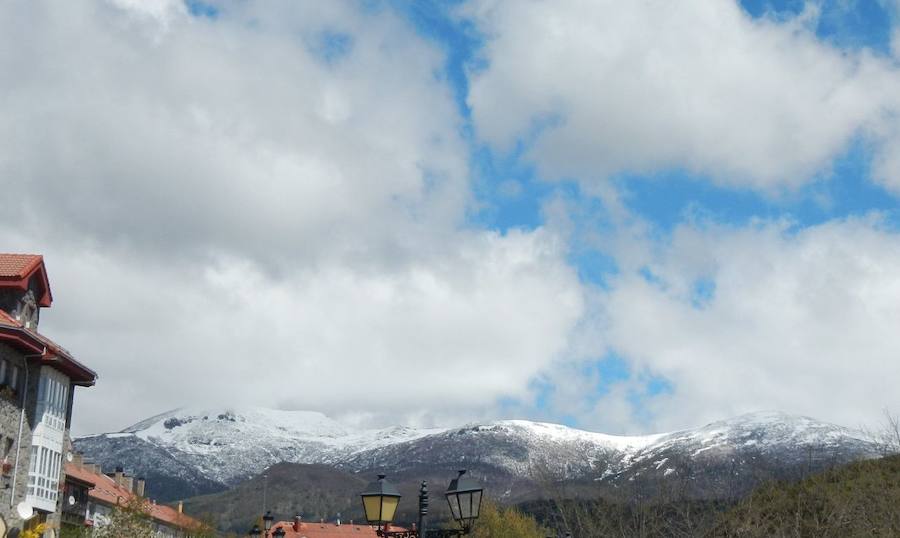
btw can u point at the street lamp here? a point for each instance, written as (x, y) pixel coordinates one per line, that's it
(267, 521)
(464, 497)
(279, 533)
(380, 502)
(255, 532)
(381, 498)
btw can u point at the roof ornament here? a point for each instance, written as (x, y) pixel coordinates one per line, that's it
(27, 312)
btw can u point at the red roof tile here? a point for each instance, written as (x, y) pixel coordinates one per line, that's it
(107, 492)
(17, 269)
(328, 530)
(81, 474)
(18, 266)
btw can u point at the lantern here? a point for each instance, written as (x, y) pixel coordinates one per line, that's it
(464, 497)
(380, 501)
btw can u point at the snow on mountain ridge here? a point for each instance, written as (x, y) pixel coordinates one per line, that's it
(566, 433)
(228, 444)
(258, 420)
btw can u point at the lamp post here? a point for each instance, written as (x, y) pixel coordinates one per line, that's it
(381, 498)
(268, 519)
(279, 533)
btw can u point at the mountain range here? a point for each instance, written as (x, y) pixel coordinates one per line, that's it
(189, 452)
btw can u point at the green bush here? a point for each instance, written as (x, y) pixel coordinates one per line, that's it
(505, 522)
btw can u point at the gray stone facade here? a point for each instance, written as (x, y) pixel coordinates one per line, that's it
(10, 418)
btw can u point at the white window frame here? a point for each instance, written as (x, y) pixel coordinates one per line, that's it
(47, 439)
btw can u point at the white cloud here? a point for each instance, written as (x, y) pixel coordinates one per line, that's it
(227, 135)
(229, 215)
(802, 321)
(443, 336)
(645, 86)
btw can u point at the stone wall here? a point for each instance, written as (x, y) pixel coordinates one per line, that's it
(10, 416)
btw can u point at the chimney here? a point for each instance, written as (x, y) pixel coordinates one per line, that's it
(119, 474)
(78, 459)
(128, 482)
(297, 522)
(93, 468)
(338, 521)
(139, 486)
(180, 507)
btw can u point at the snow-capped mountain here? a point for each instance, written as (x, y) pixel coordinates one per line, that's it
(192, 451)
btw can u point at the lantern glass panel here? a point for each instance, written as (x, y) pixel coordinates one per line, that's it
(465, 505)
(476, 504)
(380, 508)
(388, 507)
(453, 500)
(372, 505)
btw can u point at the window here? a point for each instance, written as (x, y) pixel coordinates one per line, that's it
(53, 392)
(47, 439)
(9, 374)
(43, 478)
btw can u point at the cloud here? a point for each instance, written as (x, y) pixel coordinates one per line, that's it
(230, 135)
(598, 88)
(230, 213)
(267, 206)
(451, 333)
(760, 317)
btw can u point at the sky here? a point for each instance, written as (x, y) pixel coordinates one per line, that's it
(624, 217)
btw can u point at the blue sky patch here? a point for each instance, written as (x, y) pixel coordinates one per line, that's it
(458, 38)
(847, 189)
(703, 293)
(332, 45)
(851, 24)
(198, 8)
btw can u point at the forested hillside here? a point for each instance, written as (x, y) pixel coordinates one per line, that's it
(859, 499)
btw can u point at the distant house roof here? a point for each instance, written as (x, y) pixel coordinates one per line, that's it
(328, 530)
(16, 270)
(106, 491)
(80, 474)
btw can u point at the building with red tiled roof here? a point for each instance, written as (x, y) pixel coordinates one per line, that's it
(104, 493)
(37, 384)
(326, 529)
(20, 269)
